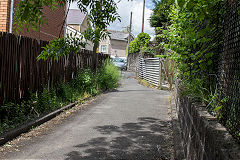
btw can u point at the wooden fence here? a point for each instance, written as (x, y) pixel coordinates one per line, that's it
(21, 73)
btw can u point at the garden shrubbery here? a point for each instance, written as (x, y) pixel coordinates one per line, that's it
(86, 83)
(108, 76)
(142, 41)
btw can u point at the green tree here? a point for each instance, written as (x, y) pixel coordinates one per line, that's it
(138, 43)
(160, 16)
(29, 14)
(194, 35)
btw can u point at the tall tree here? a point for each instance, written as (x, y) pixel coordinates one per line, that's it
(101, 13)
(29, 13)
(160, 17)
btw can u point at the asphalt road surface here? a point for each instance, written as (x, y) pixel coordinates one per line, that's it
(129, 123)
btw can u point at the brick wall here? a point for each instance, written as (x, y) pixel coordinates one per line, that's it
(4, 15)
(203, 138)
(51, 29)
(48, 31)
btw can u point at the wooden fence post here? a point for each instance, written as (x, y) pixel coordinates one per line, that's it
(21, 73)
(160, 74)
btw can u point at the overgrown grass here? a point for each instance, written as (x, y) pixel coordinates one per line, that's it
(86, 83)
(108, 75)
(211, 97)
(147, 84)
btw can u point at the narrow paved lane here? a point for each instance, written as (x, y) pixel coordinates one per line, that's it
(130, 123)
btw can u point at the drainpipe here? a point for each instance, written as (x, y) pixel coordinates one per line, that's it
(11, 16)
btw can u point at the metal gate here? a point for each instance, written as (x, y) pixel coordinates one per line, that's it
(150, 70)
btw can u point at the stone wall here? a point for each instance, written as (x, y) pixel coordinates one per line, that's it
(203, 138)
(133, 61)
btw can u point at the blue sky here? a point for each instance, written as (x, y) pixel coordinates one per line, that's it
(149, 4)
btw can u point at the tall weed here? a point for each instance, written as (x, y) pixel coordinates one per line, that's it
(108, 76)
(84, 84)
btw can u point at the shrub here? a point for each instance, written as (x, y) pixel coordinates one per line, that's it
(83, 85)
(85, 80)
(141, 41)
(108, 76)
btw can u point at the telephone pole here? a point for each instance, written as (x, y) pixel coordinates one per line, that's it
(130, 29)
(129, 33)
(143, 15)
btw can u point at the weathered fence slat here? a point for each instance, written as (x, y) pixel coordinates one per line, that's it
(150, 70)
(21, 73)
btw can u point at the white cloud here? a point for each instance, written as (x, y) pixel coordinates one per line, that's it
(136, 6)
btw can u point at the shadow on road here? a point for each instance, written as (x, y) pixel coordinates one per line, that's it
(148, 138)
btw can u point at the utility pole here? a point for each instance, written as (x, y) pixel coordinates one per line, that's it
(129, 38)
(143, 15)
(130, 29)
(129, 33)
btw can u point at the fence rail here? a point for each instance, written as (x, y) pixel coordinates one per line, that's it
(21, 73)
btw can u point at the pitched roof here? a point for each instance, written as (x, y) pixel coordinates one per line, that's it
(118, 35)
(75, 16)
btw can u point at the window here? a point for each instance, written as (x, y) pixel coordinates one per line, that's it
(103, 48)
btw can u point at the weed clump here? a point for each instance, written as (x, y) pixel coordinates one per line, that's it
(86, 83)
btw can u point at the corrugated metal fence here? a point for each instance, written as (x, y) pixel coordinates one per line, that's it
(150, 70)
(21, 73)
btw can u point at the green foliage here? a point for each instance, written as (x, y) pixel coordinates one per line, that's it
(138, 43)
(62, 46)
(84, 84)
(95, 35)
(192, 36)
(29, 14)
(194, 89)
(213, 99)
(108, 75)
(148, 51)
(101, 14)
(160, 16)
(85, 80)
(145, 83)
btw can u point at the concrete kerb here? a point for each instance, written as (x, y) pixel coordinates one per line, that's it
(4, 138)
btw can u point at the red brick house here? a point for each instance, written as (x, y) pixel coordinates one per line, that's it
(55, 20)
